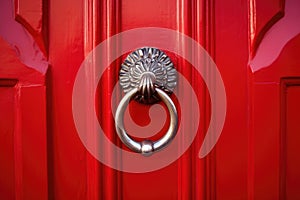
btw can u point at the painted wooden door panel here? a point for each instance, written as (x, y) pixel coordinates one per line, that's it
(7, 142)
(291, 138)
(255, 46)
(273, 66)
(23, 136)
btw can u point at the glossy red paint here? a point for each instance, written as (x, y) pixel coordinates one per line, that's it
(256, 155)
(23, 136)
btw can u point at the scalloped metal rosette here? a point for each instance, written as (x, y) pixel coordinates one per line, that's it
(148, 68)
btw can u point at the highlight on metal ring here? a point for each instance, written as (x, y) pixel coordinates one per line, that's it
(146, 147)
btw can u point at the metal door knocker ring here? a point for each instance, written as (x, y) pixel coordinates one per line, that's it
(148, 76)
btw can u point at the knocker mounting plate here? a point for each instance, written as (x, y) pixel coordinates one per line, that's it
(148, 68)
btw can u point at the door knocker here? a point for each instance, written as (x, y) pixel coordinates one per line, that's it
(148, 76)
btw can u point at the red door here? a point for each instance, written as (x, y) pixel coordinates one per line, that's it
(237, 97)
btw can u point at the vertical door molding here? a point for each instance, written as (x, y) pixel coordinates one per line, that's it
(209, 43)
(90, 32)
(102, 19)
(197, 176)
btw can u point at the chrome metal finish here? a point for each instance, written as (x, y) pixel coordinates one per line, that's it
(146, 147)
(147, 75)
(148, 68)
